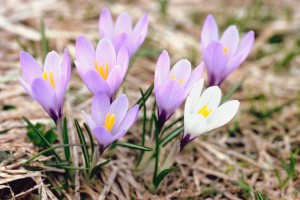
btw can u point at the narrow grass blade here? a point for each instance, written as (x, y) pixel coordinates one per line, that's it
(171, 136)
(66, 140)
(162, 175)
(83, 142)
(97, 167)
(87, 128)
(144, 98)
(43, 138)
(44, 41)
(134, 146)
(259, 196)
(172, 124)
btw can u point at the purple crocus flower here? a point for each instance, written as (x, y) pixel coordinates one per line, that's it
(172, 87)
(47, 86)
(222, 56)
(110, 121)
(102, 70)
(122, 32)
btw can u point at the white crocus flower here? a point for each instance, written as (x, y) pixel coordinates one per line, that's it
(202, 112)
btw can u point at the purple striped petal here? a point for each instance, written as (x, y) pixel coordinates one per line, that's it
(53, 64)
(162, 69)
(230, 40)
(114, 80)
(103, 136)
(30, 68)
(43, 93)
(141, 28)
(100, 107)
(89, 121)
(123, 58)
(120, 40)
(169, 97)
(106, 25)
(209, 32)
(85, 54)
(215, 62)
(247, 44)
(25, 85)
(106, 53)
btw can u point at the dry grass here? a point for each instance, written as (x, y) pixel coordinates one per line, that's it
(229, 163)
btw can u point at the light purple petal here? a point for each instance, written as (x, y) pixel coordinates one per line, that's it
(103, 136)
(53, 64)
(115, 79)
(66, 67)
(106, 25)
(246, 44)
(94, 82)
(141, 28)
(230, 40)
(25, 85)
(129, 119)
(43, 93)
(119, 107)
(195, 77)
(106, 53)
(215, 62)
(169, 96)
(162, 69)
(181, 71)
(89, 121)
(123, 24)
(123, 59)
(120, 40)
(85, 54)
(100, 108)
(234, 63)
(30, 68)
(209, 32)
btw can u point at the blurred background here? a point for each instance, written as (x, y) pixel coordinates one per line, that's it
(258, 151)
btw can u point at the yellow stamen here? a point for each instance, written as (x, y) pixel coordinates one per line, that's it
(45, 76)
(109, 121)
(172, 77)
(204, 111)
(180, 80)
(225, 49)
(51, 79)
(100, 69)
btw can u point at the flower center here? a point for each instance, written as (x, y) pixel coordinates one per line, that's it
(173, 77)
(225, 49)
(103, 72)
(204, 111)
(51, 79)
(109, 121)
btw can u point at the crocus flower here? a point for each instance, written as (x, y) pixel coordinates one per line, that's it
(171, 87)
(122, 32)
(47, 86)
(202, 112)
(222, 56)
(102, 70)
(110, 121)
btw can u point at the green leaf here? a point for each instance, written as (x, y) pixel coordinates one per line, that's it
(162, 175)
(143, 99)
(66, 140)
(98, 166)
(8, 107)
(133, 146)
(232, 90)
(90, 136)
(83, 142)
(34, 137)
(50, 136)
(171, 136)
(42, 138)
(156, 147)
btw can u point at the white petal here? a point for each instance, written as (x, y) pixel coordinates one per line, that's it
(210, 97)
(194, 96)
(194, 124)
(223, 114)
